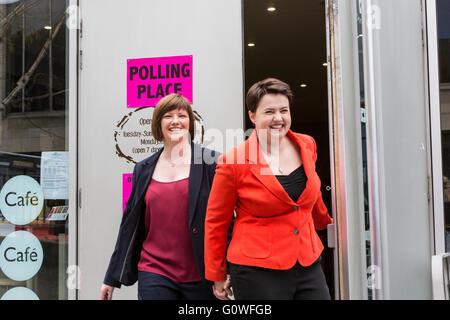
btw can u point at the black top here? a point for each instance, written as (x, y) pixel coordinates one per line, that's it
(294, 183)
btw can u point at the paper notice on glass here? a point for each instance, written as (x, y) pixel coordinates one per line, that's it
(55, 175)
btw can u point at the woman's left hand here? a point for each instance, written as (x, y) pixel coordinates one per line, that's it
(222, 289)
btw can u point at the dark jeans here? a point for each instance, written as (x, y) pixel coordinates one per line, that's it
(297, 283)
(152, 286)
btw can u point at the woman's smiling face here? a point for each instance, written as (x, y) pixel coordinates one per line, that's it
(175, 125)
(272, 115)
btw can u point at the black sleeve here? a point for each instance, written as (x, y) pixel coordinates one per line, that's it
(110, 279)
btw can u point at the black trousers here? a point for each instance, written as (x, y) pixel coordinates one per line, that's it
(152, 286)
(297, 283)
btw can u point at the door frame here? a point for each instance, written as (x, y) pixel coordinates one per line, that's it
(73, 27)
(347, 234)
(434, 105)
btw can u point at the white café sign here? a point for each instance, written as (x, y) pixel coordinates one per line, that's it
(21, 200)
(19, 293)
(21, 255)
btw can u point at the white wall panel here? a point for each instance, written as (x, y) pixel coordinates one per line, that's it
(112, 32)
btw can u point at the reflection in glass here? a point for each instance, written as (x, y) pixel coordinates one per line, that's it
(33, 120)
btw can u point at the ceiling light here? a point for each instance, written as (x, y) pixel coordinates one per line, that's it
(325, 64)
(48, 28)
(271, 9)
(251, 44)
(303, 85)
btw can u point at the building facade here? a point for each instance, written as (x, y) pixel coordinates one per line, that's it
(371, 83)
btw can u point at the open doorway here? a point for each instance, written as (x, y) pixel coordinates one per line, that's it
(287, 40)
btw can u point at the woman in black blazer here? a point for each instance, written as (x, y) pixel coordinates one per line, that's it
(170, 189)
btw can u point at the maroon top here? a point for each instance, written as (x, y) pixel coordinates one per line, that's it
(167, 249)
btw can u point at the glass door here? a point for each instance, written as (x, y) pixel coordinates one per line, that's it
(438, 32)
(34, 150)
(443, 26)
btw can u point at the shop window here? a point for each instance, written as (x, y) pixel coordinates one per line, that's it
(33, 150)
(34, 42)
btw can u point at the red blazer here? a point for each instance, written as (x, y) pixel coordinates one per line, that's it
(270, 230)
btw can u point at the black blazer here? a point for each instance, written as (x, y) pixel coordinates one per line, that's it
(123, 266)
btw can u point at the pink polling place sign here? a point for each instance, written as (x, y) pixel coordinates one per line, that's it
(127, 179)
(150, 79)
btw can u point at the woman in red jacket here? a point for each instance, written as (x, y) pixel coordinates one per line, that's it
(271, 183)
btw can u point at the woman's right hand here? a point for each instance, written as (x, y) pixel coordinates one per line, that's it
(106, 292)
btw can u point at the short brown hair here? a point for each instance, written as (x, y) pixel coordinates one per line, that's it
(266, 86)
(168, 103)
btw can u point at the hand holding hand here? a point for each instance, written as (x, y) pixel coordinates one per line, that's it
(222, 289)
